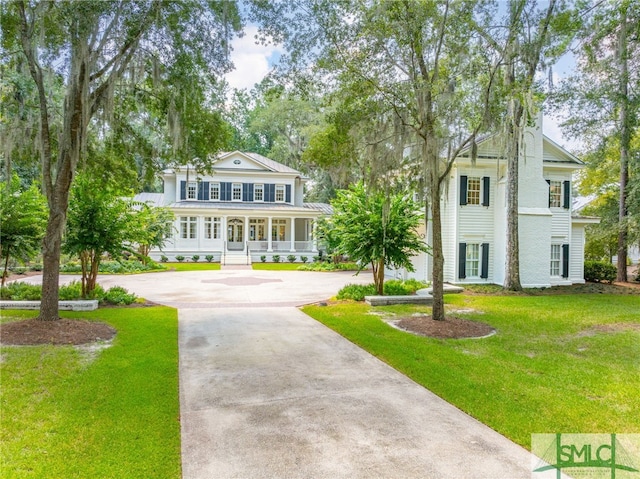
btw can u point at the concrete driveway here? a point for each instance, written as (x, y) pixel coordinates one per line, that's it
(267, 392)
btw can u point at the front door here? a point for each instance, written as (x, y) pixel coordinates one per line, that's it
(235, 234)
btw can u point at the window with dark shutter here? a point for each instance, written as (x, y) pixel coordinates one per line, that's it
(462, 258)
(565, 260)
(485, 190)
(205, 189)
(567, 194)
(183, 190)
(484, 272)
(463, 190)
(287, 198)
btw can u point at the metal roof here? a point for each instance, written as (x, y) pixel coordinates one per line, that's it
(153, 199)
(245, 205)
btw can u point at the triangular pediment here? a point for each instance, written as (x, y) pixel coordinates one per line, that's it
(237, 160)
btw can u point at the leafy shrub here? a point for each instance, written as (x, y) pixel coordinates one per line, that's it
(19, 269)
(36, 267)
(180, 258)
(71, 267)
(321, 266)
(304, 259)
(195, 258)
(317, 259)
(263, 258)
(164, 258)
(291, 258)
(276, 258)
(395, 287)
(73, 291)
(209, 258)
(356, 292)
(18, 291)
(599, 271)
(118, 295)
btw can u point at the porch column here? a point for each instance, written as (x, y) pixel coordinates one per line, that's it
(314, 248)
(245, 235)
(269, 236)
(293, 235)
(223, 226)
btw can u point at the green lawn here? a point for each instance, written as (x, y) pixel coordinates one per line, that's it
(65, 415)
(192, 266)
(557, 363)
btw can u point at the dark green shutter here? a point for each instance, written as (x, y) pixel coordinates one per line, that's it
(549, 195)
(462, 261)
(205, 189)
(200, 191)
(287, 194)
(565, 260)
(484, 272)
(250, 191)
(183, 190)
(463, 190)
(486, 181)
(567, 194)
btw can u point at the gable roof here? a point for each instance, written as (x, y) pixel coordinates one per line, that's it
(262, 161)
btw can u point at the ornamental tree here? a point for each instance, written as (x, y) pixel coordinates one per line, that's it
(377, 229)
(98, 222)
(23, 216)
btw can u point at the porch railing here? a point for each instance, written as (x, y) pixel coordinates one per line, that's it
(262, 246)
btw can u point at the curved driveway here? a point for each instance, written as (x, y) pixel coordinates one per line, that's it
(267, 392)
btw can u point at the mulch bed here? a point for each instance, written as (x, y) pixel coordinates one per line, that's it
(62, 331)
(452, 327)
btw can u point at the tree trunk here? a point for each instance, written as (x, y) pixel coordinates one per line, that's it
(378, 275)
(93, 274)
(437, 279)
(512, 273)
(6, 267)
(51, 266)
(625, 140)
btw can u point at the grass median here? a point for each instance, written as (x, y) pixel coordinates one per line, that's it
(557, 363)
(72, 413)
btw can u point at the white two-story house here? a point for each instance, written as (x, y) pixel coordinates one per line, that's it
(248, 207)
(474, 217)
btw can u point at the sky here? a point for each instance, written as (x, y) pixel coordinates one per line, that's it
(253, 62)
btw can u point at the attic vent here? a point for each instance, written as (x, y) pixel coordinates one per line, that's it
(236, 162)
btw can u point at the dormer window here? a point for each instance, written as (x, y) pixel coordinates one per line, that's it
(192, 190)
(279, 193)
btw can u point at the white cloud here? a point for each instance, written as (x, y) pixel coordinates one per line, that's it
(251, 60)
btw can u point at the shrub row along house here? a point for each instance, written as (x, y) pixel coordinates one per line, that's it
(251, 206)
(248, 207)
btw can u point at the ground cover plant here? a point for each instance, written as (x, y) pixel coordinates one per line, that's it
(70, 412)
(116, 267)
(558, 363)
(276, 266)
(392, 287)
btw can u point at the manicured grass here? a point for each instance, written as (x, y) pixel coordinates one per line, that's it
(192, 266)
(276, 266)
(552, 367)
(68, 415)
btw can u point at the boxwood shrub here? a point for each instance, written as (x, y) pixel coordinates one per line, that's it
(599, 271)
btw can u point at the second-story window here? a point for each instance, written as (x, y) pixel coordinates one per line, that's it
(279, 193)
(214, 191)
(473, 190)
(258, 192)
(192, 190)
(555, 194)
(237, 192)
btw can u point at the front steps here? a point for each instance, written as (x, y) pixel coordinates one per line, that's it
(233, 258)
